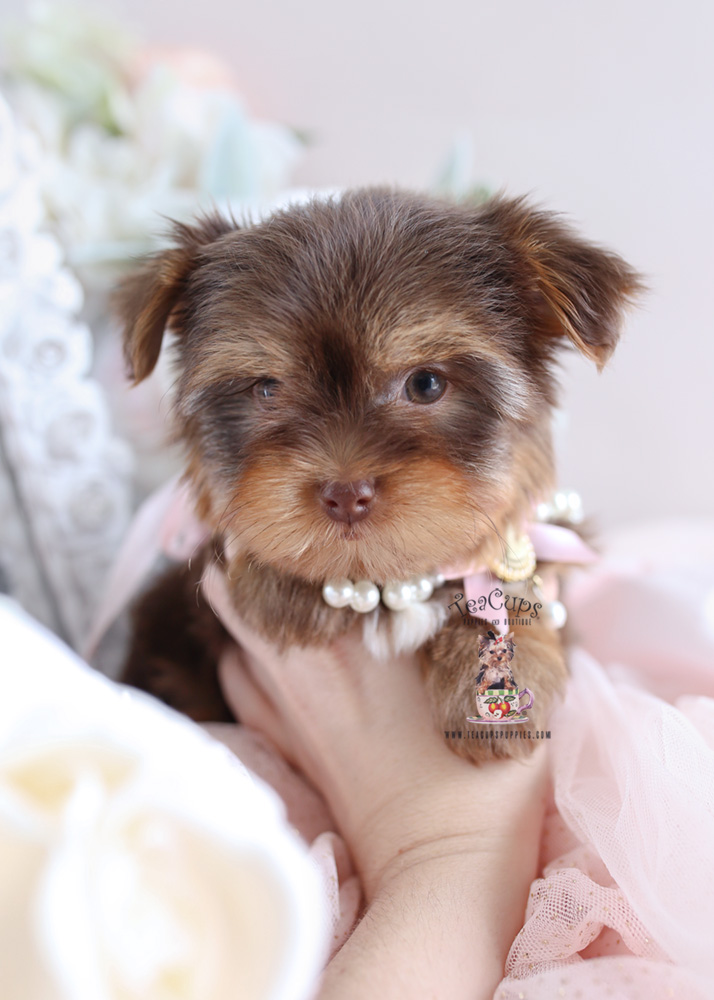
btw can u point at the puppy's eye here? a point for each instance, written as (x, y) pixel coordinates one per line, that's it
(425, 387)
(266, 389)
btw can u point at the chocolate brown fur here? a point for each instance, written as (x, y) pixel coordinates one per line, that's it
(175, 646)
(294, 341)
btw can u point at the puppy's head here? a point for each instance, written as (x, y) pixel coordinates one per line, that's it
(364, 383)
(496, 651)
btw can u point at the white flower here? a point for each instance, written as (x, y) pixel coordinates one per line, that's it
(79, 56)
(138, 859)
(129, 135)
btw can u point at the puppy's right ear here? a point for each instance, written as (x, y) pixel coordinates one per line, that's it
(145, 299)
(570, 288)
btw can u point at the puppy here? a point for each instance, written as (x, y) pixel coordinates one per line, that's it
(495, 654)
(364, 392)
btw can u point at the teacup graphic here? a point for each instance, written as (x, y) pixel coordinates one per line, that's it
(502, 705)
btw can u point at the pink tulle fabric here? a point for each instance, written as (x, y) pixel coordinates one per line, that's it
(625, 906)
(624, 902)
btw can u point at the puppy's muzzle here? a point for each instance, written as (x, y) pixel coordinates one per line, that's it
(348, 502)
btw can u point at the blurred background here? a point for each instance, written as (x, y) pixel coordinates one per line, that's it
(602, 111)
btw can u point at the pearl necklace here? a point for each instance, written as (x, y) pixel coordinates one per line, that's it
(517, 566)
(364, 595)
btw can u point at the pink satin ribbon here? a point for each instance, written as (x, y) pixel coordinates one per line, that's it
(164, 524)
(551, 542)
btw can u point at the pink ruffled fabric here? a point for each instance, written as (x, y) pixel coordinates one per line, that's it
(624, 905)
(624, 901)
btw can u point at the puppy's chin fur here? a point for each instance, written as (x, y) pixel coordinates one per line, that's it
(386, 635)
(301, 344)
(429, 513)
(420, 516)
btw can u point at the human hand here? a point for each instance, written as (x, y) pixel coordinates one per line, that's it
(362, 731)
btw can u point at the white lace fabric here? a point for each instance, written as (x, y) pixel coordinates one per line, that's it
(65, 496)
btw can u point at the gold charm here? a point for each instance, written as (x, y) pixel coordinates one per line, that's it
(519, 559)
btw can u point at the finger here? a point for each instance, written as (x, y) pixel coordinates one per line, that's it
(215, 589)
(260, 651)
(248, 702)
(315, 687)
(287, 675)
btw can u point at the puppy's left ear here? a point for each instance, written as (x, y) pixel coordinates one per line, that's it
(145, 299)
(573, 288)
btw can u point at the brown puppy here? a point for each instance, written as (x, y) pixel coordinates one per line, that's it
(364, 393)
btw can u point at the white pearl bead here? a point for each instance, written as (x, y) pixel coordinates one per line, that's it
(557, 614)
(576, 515)
(398, 595)
(436, 579)
(423, 586)
(338, 593)
(365, 597)
(544, 512)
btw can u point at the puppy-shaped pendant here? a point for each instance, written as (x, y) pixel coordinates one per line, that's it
(495, 655)
(364, 393)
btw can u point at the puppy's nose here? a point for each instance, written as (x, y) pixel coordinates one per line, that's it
(348, 502)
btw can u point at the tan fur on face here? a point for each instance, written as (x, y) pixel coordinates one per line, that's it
(424, 513)
(255, 353)
(436, 336)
